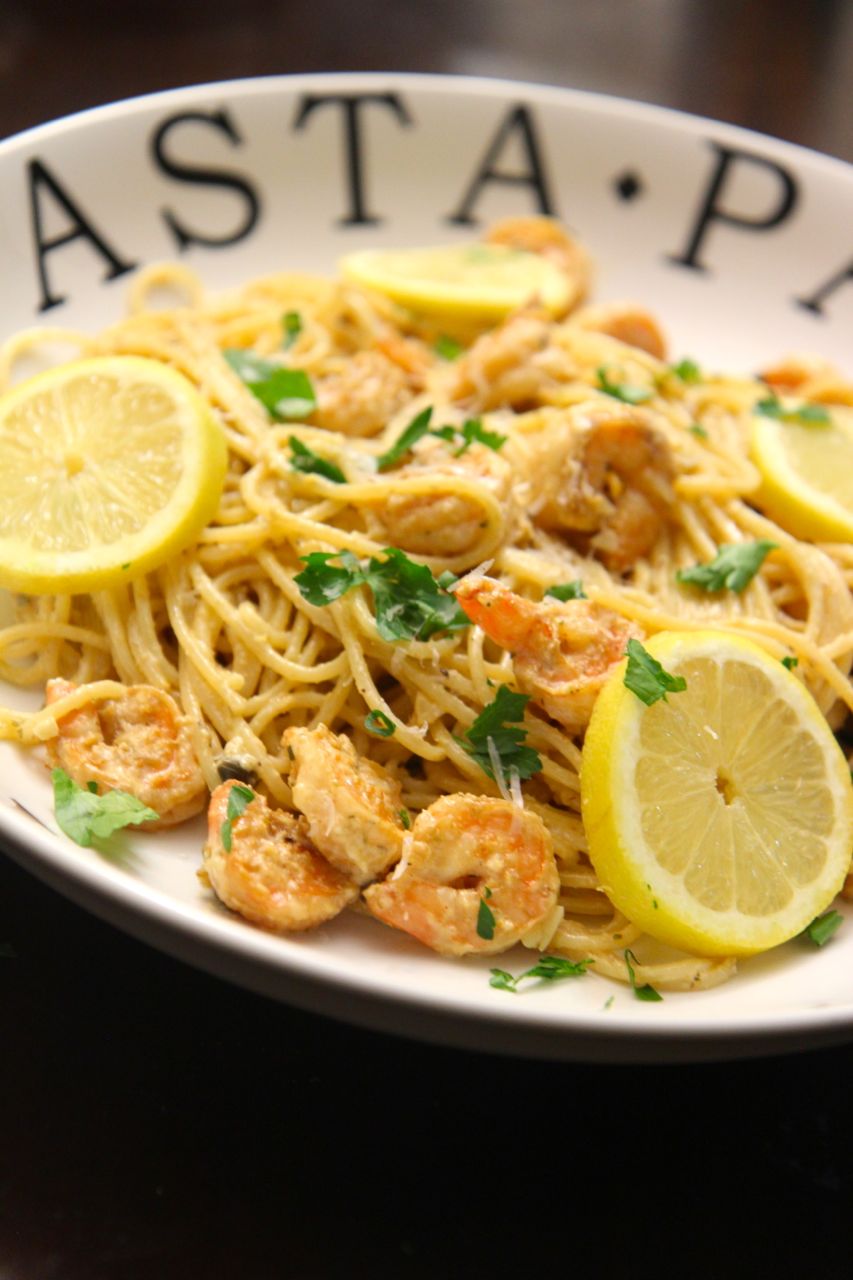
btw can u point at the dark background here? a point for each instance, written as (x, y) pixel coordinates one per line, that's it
(156, 1122)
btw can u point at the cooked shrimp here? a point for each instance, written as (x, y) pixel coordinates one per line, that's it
(546, 237)
(352, 806)
(626, 321)
(408, 353)
(792, 372)
(362, 396)
(811, 378)
(139, 743)
(563, 651)
(444, 523)
(501, 367)
(464, 851)
(603, 475)
(272, 875)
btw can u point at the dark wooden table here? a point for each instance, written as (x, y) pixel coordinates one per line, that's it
(156, 1122)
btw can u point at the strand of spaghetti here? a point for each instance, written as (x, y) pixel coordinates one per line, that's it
(161, 275)
(144, 636)
(37, 726)
(226, 683)
(366, 685)
(218, 601)
(113, 609)
(37, 633)
(29, 341)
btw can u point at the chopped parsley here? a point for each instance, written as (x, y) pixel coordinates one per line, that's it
(548, 968)
(687, 370)
(86, 817)
(623, 391)
(696, 429)
(646, 991)
(410, 603)
(321, 582)
(808, 415)
(239, 799)
(286, 394)
(645, 676)
(448, 348)
(507, 744)
(471, 431)
(485, 917)
(304, 459)
(406, 819)
(377, 723)
(790, 662)
(732, 569)
(823, 927)
(567, 591)
(417, 428)
(291, 323)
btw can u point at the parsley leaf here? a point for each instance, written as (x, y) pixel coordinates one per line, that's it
(406, 819)
(507, 743)
(567, 591)
(410, 604)
(485, 917)
(621, 390)
(733, 567)
(86, 816)
(418, 427)
(473, 430)
(646, 677)
(502, 980)
(239, 799)
(321, 582)
(286, 394)
(696, 429)
(291, 323)
(822, 928)
(807, 414)
(448, 348)
(377, 723)
(304, 459)
(646, 991)
(790, 662)
(687, 370)
(548, 968)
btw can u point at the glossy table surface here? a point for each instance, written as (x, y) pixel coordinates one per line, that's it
(157, 1122)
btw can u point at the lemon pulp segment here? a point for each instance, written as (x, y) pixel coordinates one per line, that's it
(807, 474)
(108, 467)
(721, 819)
(472, 281)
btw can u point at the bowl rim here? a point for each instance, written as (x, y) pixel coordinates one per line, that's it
(430, 82)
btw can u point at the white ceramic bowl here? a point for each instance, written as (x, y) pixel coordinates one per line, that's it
(739, 243)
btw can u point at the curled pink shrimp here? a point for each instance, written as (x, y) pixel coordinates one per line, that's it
(563, 651)
(271, 874)
(463, 853)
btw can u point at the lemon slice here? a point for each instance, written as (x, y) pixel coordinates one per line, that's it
(807, 474)
(108, 467)
(721, 819)
(469, 282)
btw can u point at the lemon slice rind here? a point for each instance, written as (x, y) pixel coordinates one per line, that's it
(788, 493)
(471, 281)
(654, 896)
(199, 461)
